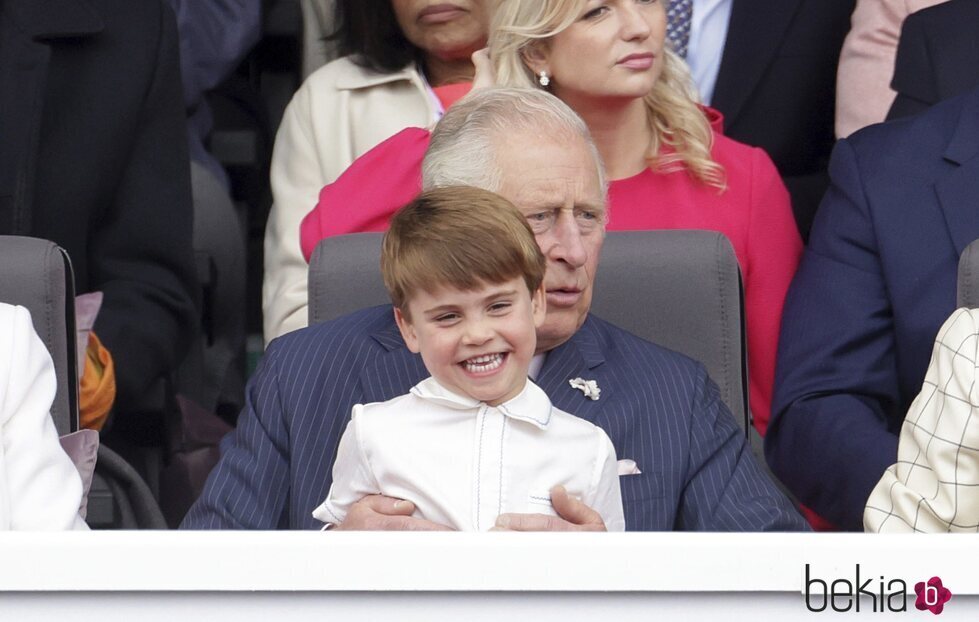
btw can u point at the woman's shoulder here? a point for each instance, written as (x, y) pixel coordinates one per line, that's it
(740, 159)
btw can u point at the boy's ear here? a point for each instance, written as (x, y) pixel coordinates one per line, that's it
(538, 303)
(407, 331)
(535, 57)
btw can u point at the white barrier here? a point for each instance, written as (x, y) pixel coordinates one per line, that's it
(456, 576)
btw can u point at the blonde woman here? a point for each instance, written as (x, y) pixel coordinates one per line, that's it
(670, 166)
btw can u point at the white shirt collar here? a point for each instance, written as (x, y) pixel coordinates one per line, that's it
(531, 404)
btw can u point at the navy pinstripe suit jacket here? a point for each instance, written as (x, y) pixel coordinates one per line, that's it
(659, 408)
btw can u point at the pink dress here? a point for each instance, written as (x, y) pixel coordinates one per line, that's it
(754, 213)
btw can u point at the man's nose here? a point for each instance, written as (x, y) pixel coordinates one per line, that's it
(567, 245)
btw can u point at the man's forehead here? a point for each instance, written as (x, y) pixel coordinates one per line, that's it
(566, 180)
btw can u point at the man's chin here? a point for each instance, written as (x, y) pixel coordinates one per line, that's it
(558, 328)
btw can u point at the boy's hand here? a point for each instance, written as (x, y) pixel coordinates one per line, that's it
(573, 515)
(380, 513)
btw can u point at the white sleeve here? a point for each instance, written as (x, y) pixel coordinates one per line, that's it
(44, 490)
(352, 476)
(606, 496)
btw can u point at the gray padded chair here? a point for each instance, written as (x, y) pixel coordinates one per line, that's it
(968, 282)
(680, 289)
(37, 274)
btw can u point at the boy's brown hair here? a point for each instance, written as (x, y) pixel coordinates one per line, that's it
(461, 237)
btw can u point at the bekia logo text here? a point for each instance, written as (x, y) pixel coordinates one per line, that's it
(874, 594)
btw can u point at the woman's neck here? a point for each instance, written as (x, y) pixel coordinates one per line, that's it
(621, 131)
(442, 71)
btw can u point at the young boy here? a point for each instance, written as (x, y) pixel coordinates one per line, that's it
(477, 439)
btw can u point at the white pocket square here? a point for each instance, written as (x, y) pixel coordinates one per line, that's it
(628, 467)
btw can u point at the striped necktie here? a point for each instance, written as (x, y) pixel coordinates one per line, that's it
(678, 25)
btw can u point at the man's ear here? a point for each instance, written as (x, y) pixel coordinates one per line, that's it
(538, 303)
(407, 331)
(535, 57)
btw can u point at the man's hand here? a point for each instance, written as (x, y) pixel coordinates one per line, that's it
(573, 515)
(380, 513)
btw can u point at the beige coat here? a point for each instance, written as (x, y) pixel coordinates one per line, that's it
(863, 82)
(341, 111)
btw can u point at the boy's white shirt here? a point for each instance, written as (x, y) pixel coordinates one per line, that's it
(463, 462)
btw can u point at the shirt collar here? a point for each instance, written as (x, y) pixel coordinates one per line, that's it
(353, 77)
(531, 405)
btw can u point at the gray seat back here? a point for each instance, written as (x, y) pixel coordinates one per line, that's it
(968, 283)
(679, 289)
(36, 274)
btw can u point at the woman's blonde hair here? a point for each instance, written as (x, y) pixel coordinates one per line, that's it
(676, 119)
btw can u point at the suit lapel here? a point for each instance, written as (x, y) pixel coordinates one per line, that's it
(958, 192)
(579, 357)
(754, 35)
(27, 28)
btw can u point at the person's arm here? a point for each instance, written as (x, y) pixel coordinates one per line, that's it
(141, 254)
(836, 377)
(863, 94)
(353, 478)
(43, 487)
(774, 248)
(725, 488)
(370, 191)
(914, 75)
(606, 494)
(249, 487)
(296, 177)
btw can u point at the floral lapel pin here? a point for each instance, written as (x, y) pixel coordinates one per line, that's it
(588, 387)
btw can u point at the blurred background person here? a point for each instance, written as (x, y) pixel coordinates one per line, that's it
(863, 81)
(403, 62)
(937, 57)
(92, 103)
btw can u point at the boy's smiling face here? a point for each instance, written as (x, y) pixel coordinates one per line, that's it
(476, 343)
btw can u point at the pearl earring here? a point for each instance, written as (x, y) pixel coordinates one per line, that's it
(543, 78)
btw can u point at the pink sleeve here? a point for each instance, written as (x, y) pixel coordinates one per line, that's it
(368, 193)
(774, 248)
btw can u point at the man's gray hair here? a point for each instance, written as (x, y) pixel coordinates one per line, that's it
(464, 143)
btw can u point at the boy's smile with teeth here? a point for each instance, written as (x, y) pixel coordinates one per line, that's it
(477, 343)
(484, 363)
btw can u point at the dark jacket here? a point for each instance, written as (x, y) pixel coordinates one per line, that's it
(777, 88)
(937, 57)
(93, 156)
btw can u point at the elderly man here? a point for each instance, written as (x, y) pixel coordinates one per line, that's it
(660, 409)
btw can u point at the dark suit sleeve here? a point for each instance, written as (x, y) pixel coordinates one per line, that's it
(726, 488)
(914, 76)
(141, 254)
(249, 487)
(836, 377)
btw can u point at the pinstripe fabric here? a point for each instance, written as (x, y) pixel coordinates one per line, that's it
(659, 408)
